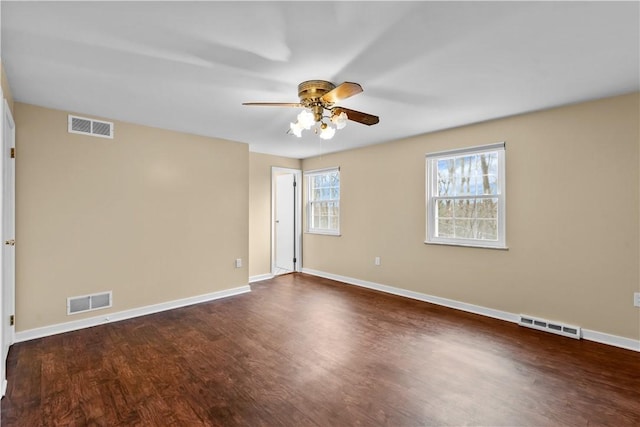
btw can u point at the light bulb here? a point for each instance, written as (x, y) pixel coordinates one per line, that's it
(296, 129)
(306, 119)
(327, 132)
(340, 120)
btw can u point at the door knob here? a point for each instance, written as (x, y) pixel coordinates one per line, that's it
(10, 242)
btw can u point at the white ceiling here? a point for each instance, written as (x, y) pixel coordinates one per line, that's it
(424, 66)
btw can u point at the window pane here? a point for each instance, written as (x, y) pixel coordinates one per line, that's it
(445, 208)
(322, 207)
(464, 165)
(487, 229)
(488, 184)
(464, 175)
(465, 185)
(465, 208)
(488, 164)
(487, 208)
(333, 223)
(463, 229)
(316, 182)
(446, 172)
(445, 228)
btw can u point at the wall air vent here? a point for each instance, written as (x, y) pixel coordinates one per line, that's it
(550, 326)
(91, 127)
(88, 302)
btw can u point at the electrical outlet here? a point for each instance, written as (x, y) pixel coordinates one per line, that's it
(636, 299)
(238, 262)
(376, 260)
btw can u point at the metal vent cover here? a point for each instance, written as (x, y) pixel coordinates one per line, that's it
(84, 303)
(550, 326)
(76, 305)
(85, 126)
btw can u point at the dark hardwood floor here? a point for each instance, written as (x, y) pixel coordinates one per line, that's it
(305, 351)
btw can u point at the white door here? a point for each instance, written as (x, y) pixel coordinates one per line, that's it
(8, 236)
(285, 224)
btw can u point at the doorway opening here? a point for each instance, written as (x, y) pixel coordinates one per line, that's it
(286, 220)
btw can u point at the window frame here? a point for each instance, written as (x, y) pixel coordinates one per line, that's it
(431, 195)
(308, 175)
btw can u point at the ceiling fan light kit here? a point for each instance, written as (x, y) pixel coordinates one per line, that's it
(326, 131)
(316, 96)
(339, 119)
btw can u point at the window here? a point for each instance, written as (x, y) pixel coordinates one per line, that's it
(323, 201)
(466, 197)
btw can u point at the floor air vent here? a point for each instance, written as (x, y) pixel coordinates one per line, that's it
(88, 303)
(550, 326)
(90, 127)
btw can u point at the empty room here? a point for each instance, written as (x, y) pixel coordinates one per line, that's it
(331, 213)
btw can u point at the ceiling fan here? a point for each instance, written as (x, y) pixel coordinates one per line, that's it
(316, 96)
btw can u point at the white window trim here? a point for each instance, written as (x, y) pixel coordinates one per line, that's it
(431, 189)
(308, 229)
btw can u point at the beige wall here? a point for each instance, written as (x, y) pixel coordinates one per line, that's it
(6, 90)
(572, 218)
(153, 215)
(260, 209)
(156, 216)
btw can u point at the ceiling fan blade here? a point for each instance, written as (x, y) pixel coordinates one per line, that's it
(357, 116)
(344, 91)
(274, 104)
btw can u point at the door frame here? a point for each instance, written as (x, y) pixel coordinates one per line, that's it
(7, 287)
(297, 253)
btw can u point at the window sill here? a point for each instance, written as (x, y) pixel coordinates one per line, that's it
(499, 248)
(324, 233)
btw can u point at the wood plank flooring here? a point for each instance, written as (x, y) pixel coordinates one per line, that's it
(304, 351)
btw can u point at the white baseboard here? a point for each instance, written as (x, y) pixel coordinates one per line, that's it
(126, 314)
(260, 277)
(476, 309)
(600, 337)
(609, 339)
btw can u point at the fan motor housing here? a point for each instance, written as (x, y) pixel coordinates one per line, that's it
(313, 89)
